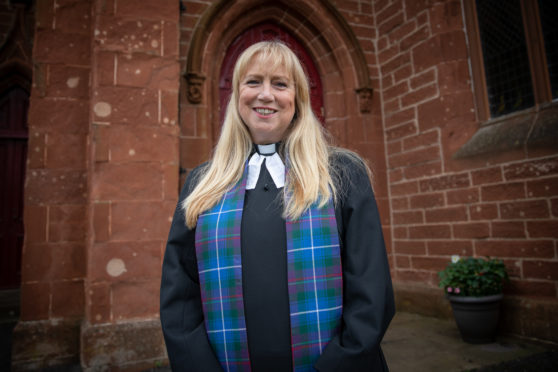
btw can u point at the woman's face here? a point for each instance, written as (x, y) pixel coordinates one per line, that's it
(266, 102)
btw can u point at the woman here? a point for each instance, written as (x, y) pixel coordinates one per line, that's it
(275, 259)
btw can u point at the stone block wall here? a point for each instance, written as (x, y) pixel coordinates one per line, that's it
(56, 189)
(134, 178)
(500, 204)
(102, 183)
(111, 127)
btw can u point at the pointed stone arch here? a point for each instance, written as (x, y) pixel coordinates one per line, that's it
(326, 35)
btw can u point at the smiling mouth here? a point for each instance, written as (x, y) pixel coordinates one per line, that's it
(265, 111)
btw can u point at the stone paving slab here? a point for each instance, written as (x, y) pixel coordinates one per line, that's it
(423, 344)
(413, 343)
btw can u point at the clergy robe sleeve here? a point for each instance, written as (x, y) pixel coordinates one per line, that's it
(181, 309)
(368, 304)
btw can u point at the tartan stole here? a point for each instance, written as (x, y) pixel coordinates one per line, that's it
(314, 281)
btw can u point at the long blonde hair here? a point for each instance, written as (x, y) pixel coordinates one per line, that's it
(304, 146)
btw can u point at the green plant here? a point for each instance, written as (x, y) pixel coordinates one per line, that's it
(473, 276)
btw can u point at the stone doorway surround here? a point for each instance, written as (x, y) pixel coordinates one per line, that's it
(351, 114)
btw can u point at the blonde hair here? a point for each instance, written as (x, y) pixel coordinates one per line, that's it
(304, 146)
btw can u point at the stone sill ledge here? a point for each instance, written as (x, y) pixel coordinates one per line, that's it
(536, 127)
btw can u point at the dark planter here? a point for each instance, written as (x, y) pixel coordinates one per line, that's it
(477, 317)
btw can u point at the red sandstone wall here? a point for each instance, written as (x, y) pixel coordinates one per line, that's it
(133, 175)
(103, 168)
(56, 186)
(503, 205)
(102, 182)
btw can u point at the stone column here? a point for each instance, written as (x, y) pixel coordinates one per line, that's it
(134, 179)
(102, 183)
(55, 204)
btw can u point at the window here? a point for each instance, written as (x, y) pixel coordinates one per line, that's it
(514, 54)
(548, 10)
(514, 65)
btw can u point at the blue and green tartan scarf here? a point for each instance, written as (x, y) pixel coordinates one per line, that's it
(314, 281)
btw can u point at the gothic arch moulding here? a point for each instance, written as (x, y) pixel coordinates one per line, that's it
(318, 25)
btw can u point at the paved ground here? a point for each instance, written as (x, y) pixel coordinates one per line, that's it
(422, 344)
(413, 343)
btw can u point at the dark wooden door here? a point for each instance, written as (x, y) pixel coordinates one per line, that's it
(13, 154)
(261, 32)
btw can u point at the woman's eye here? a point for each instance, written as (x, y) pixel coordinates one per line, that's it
(252, 82)
(281, 84)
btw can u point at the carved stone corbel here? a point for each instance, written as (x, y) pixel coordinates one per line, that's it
(365, 99)
(194, 84)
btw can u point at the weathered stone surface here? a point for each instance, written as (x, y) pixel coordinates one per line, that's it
(55, 186)
(135, 106)
(128, 35)
(135, 221)
(101, 221)
(143, 143)
(36, 150)
(35, 301)
(54, 261)
(61, 47)
(98, 303)
(40, 344)
(68, 299)
(147, 71)
(68, 81)
(162, 9)
(171, 183)
(35, 222)
(128, 181)
(66, 151)
(422, 300)
(59, 116)
(67, 223)
(125, 261)
(530, 317)
(169, 103)
(545, 130)
(115, 346)
(73, 16)
(135, 299)
(501, 136)
(170, 38)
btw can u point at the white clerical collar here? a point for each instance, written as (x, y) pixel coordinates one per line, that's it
(267, 149)
(273, 163)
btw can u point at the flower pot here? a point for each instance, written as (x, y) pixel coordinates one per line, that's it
(477, 317)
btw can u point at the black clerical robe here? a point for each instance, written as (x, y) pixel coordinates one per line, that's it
(367, 292)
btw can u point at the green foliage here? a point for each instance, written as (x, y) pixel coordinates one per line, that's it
(473, 276)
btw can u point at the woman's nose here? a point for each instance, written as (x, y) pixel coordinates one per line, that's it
(265, 93)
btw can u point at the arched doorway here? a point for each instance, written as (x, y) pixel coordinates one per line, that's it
(261, 32)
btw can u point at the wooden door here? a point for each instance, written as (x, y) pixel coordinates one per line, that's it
(13, 154)
(261, 32)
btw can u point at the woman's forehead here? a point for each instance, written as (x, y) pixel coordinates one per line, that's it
(267, 65)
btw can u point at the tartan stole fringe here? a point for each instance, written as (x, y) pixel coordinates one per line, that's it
(314, 281)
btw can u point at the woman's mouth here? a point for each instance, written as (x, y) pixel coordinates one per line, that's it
(264, 111)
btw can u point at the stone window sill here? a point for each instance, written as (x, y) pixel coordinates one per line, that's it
(535, 127)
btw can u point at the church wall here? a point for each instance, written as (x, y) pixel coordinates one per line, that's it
(113, 133)
(500, 203)
(102, 183)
